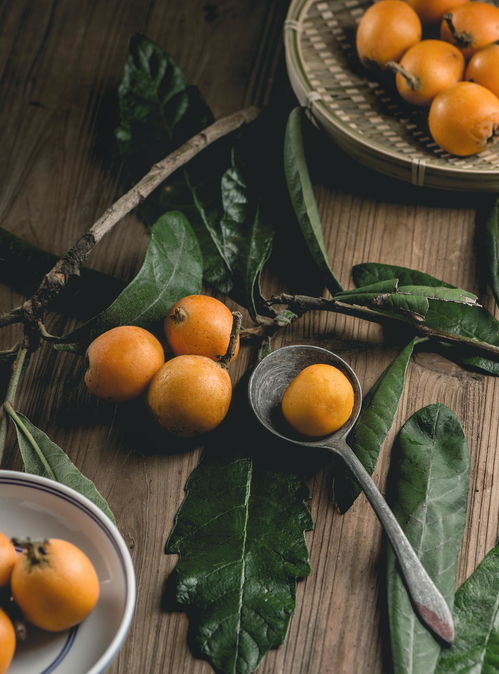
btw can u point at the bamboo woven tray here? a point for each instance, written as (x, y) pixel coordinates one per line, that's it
(364, 118)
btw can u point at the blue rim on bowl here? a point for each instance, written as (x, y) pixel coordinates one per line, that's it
(111, 531)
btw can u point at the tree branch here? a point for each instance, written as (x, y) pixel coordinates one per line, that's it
(303, 303)
(69, 265)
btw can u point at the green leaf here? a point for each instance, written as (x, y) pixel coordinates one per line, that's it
(490, 247)
(239, 534)
(366, 294)
(43, 457)
(430, 473)
(375, 420)
(441, 293)
(303, 199)
(172, 268)
(476, 619)
(385, 295)
(22, 267)
(246, 235)
(159, 111)
(413, 300)
(373, 272)
(474, 323)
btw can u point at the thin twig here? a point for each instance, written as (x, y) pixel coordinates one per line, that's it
(17, 368)
(303, 303)
(237, 318)
(45, 334)
(11, 317)
(69, 265)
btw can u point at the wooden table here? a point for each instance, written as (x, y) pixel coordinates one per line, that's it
(60, 63)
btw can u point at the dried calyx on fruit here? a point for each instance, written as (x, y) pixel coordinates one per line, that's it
(191, 394)
(471, 26)
(54, 583)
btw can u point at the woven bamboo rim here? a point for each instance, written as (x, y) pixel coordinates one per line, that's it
(363, 117)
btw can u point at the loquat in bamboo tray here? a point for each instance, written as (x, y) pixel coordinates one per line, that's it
(364, 117)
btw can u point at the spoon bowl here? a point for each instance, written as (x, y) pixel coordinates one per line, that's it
(267, 385)
(273, 375)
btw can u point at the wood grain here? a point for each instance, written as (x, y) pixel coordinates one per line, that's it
(60, 62)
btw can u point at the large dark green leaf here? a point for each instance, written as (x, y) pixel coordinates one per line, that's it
(429, 477)
(376, 418)
(490, 247)
(246, 235)
(22, 267)
(474, 323)
(476, 618)
(302, 197)
(239, 534)
(43, 457)
(172, 268)
(159, 111)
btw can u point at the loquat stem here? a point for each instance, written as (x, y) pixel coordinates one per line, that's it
(237, 318)
(412, 81)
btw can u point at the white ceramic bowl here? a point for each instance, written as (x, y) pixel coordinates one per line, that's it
(40, 508)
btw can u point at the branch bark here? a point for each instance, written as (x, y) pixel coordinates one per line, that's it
(69, 265)
(17, 370)
(302, 303)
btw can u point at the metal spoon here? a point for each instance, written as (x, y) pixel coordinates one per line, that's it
(266, 388)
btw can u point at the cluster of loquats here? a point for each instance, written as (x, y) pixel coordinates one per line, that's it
(52, 582)
(189, 394)
(457, 76)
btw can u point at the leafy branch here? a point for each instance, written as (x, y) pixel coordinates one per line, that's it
(68, 266)
(302, 303)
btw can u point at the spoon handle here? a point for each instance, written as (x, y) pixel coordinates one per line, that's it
(428, 602)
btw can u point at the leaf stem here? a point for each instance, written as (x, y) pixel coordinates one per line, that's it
(302, 303)
(17, 368)
(69, 265)
(19, 422)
